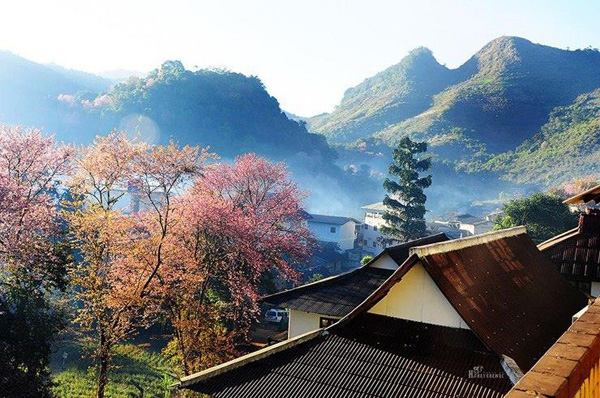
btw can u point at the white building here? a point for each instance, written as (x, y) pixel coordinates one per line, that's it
(372, 223)
(463, 225)
(334, 229)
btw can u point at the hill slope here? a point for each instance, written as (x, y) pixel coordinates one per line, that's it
(502, 95)
(567, 146)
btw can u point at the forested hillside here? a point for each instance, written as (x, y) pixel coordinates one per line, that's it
(498, 98)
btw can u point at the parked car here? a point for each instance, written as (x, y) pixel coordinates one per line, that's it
(276, 316)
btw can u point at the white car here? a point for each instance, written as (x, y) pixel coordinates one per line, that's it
(276, 316)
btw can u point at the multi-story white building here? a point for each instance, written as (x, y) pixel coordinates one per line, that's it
(334, 229)
(370, 233)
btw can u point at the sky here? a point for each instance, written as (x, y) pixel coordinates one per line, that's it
(306, 52)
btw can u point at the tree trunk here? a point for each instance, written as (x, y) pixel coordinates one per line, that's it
(103, 371)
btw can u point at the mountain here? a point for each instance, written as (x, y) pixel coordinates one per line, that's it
(29, 91)
(566, 147)
(230, 112)
(396, 94)
(496, 100)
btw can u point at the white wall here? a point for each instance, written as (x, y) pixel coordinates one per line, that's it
(371, 222)
(595, 292)
(344, 235)
(302, 322)
(417, 298)
(385, 262)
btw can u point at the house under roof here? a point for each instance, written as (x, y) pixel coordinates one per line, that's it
(576, 253)
(340, 294)
(485, 305)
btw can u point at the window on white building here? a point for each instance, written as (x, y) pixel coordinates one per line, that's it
(374, 244)
(332, 230)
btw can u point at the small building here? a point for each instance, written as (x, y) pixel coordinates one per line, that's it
(370, 233)
(459, 318)
(324, 302)
(333, 229)
(465, 225)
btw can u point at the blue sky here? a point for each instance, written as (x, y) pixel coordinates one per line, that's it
(307, 52)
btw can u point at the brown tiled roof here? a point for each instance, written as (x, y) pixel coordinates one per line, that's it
(562, 370)
(576, 253)
(338, 295)
(373, 356)
(505, 291)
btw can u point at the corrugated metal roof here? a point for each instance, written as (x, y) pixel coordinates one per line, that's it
(576, 253)
(374, 356)
(507, 293)
(337, 296)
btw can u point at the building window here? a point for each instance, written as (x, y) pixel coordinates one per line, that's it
(374, 227)
(365, 243)
(374, 244)
(366, 227)
(332, 230)
(325, 322)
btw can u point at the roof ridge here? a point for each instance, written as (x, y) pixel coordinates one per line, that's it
(475, 240)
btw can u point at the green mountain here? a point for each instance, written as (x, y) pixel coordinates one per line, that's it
(396, 94)
(566, 147)
(496, 100)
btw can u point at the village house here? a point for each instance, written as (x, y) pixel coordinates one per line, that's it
(370, 233)
(322, 303)
(458, 318)
(463, 225)
(576, 253)
(333, 229)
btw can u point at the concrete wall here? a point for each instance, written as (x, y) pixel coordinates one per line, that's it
(302, 322)
(417, 298)
(344, 235)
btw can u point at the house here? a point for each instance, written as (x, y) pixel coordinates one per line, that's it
(458, 318)
(576, 253)
(334, 229)
(464, 225)
(370, 233)
(570, 367)
(324, 302)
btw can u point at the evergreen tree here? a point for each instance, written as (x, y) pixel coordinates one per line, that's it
(405, 201)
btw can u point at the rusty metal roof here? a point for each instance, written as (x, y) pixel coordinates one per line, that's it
(373, 356)
(576, 253)
(564, 368)
(507, 293)
(338, 295)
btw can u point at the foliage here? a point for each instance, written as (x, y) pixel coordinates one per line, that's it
(32, 259)
(237, 224)
(120, 254)
(365, 260)
(544, 215)
(75, 376)
(405, 203)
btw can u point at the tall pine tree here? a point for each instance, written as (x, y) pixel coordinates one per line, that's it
(405, 201)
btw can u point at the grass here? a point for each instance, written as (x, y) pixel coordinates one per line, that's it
(76, 377)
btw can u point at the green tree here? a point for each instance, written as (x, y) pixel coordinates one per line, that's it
(544, 215)
(405, 201)
(365, 260)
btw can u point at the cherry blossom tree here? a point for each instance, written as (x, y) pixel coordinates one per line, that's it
(121, 252)
(238, 224)
(32, 263)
